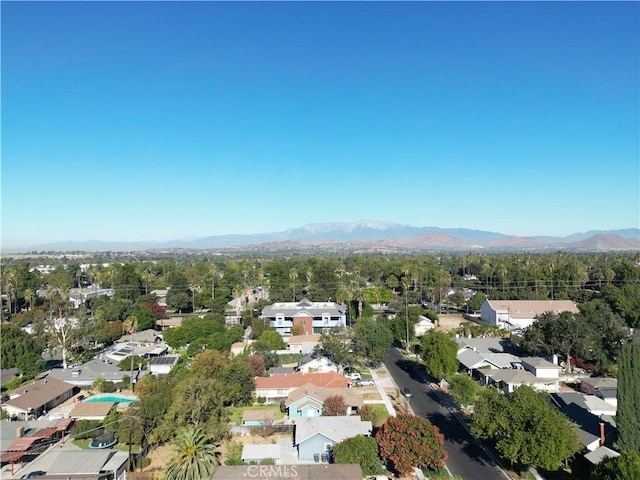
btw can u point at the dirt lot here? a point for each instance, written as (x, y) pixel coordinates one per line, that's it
(449, 322)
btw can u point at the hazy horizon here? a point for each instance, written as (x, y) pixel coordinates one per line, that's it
(142, 121)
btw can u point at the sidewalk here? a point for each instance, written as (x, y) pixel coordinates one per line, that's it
(380, 384)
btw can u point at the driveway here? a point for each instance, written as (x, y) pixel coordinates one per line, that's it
(467, 459)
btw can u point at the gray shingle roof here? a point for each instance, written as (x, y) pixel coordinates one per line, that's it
(336, 429)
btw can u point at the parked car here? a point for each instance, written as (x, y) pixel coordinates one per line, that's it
(35, 473)
(365, 383)
(406, 392)
(354, 376)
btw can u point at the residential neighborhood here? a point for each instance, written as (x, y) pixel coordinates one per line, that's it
(294, 383)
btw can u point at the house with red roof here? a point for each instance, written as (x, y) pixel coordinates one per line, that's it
(278, 387)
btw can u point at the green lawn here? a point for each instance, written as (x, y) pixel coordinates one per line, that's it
(381, 413)
(237, 412)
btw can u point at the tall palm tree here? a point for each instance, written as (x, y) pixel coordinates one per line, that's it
(194, 458)
(293, 275)
(30, 297)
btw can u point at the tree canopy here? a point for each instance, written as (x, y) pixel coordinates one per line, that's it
(628, 416)
(439, 353)
(360, 450)
(407, 441)
(528, 430)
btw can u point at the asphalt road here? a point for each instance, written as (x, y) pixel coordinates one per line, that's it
(467, 459)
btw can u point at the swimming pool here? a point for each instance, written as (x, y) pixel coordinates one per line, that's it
(111, 398)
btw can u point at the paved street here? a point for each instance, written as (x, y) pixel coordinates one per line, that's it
(467, 458)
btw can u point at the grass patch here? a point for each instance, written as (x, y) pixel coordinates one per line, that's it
(235, 413)
(381, 413)
(290, 358)
(82, 443)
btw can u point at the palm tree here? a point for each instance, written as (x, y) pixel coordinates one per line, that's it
(30, 297)
(194, 458)
(293, 275)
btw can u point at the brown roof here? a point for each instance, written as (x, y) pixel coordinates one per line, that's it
(38, 393)
(531, 308)
(249, 415)
(64, 424)
(22, 444)
(91, 409)
(294, 380)
(351, 397)
(45, 433)
(331, 471)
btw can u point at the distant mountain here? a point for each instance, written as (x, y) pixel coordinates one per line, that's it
(372, 235)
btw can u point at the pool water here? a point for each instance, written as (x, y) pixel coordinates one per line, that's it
(111, 398)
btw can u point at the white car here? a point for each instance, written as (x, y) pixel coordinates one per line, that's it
(365, 383)
(354, 376)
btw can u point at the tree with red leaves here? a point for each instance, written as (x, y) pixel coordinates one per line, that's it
(334, 406)
(256, 363)
(407, 441)
(158, 311)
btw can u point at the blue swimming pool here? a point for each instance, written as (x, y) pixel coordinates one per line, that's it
(111, 398)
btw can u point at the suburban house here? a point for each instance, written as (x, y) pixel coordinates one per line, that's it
(34, 399)
(493, 353)
(315, 436)
(289, 472)
(302, 343)
(77, 296)
(540, 367)
(518, 314)
(594, 430)
(30, 439)
(278, 387)
(162, 365)
(308, 401)
(314, 363)
(261, 452)
(510, 379)
(601, 387)
(84, 375)
(423, 325)
(590, 403)
(106, 464)
(591, 385)
(310, 317)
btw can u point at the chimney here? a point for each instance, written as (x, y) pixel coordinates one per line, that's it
(19, 432)
(601, 433)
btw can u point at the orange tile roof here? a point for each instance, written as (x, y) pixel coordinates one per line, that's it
(294, 380)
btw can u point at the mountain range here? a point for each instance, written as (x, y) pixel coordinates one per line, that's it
(374, 236)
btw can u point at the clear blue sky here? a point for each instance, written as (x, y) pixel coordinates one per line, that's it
(155, 121)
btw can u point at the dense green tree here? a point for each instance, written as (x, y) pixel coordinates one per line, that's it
(407, 441)
(463, 389)
(155, 396)
(109, 333)
(359, 450)
(335, 345)
(528, 430)
(560, 334)
(476, 301)
(127, 283)
(270, 340)
(624, 467)
(17, 348)
(439, 353)
(372, 339)
(628, 416)
(145, 319)
(195, 456)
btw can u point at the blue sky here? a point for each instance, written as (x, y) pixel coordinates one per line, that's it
(159, 120)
